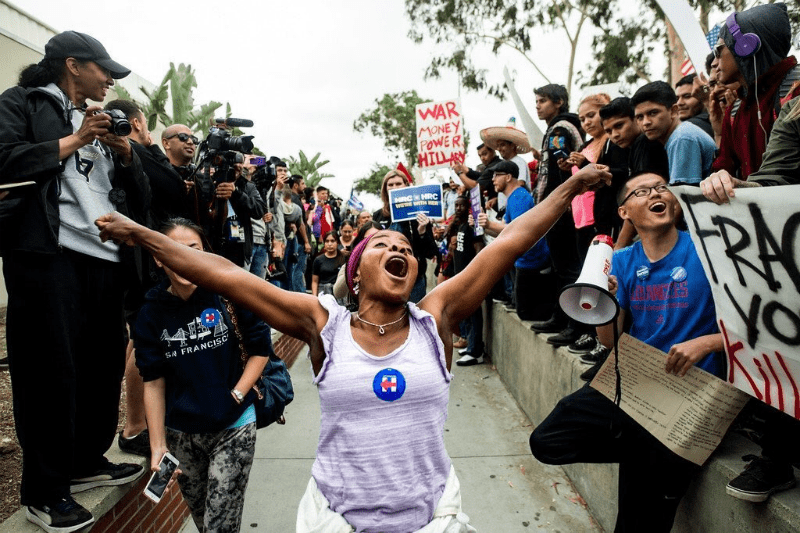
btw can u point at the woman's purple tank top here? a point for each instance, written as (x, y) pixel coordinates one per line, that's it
(381, 461)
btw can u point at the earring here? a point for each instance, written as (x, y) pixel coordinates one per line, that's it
(355, 289)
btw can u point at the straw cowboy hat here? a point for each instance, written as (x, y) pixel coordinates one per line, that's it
(510, 133)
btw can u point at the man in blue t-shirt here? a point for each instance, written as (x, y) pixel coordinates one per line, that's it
(690, 150)
(534, 294)
(662, 288)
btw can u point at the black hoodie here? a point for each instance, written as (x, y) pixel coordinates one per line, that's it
(192, 345)
(558, 141)
(771, 23)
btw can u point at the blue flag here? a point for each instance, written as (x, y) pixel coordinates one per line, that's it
(354, 202)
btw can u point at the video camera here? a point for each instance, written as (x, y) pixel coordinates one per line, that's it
(264, 176)
(220, 150)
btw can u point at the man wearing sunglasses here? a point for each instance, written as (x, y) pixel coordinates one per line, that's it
(179, 144)
(663, 290)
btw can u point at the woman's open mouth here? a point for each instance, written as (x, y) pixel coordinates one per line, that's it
(658, 207)
(397, 266)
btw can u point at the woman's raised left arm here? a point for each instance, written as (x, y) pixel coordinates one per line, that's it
(458, 297)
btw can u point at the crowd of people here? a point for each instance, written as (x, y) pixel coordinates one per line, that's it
(198, 258)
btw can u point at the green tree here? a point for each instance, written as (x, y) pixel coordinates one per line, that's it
(372, 182)
(308, 168)
(393, 120)
(178, 86)
(459, 28)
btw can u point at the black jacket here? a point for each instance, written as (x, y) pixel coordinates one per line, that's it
(606, 217)
(566, 145)
(169, 198)
(31, 123)
(246, 202)
(484, 178)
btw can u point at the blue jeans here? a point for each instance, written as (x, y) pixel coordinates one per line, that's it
(298, 270)
(258, 261)
(475, 333)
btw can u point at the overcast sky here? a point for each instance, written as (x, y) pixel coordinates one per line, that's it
(303, 70)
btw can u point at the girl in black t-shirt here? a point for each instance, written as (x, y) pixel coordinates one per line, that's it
(327, 265)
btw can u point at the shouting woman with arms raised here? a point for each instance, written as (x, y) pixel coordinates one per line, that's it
(383, 369)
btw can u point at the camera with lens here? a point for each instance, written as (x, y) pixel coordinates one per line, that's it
(220, 151)
(119, 122)
(222, 140)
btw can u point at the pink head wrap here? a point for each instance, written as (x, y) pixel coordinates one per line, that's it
(353, 261)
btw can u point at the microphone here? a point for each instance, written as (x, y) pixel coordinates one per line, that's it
(235, 122)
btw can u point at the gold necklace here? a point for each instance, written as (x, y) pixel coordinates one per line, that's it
(380, 327)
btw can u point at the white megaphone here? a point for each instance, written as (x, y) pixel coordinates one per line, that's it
(588, 300)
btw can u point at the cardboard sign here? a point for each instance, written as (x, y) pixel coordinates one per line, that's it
(683, 19)
(751, 255)
(440, 134)
(688, 414)
(475, 207)
(405, 203)
(535, 135)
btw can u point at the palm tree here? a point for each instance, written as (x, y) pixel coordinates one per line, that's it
(178, 85)
(308, 168)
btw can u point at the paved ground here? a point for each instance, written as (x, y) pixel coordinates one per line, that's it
(504, 489)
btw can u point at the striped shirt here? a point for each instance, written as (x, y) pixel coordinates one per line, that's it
(381, 460)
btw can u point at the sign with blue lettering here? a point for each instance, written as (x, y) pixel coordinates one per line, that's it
(408, 201)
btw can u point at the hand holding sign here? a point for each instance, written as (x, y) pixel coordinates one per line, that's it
(718, 187)
(422, 223)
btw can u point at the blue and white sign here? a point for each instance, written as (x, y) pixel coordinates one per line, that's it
(389, 384)
(408, 201)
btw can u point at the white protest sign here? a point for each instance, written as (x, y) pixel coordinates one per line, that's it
(535, 135)
(440, 134)
(750, 253)
(688, 414)
(683, 19)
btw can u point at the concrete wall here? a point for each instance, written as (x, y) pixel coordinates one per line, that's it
(538, 375)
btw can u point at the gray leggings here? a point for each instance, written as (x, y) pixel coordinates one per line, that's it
(216, 467)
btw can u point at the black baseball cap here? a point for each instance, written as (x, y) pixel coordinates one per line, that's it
(506, 167)
(82, 46)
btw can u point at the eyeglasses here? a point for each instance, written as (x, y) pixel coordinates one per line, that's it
(718, 49)
(641, 192)
(183, 137)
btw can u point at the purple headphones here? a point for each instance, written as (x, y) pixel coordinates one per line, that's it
(744, 44)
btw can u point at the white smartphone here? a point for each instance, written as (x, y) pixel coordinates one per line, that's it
(158, 481)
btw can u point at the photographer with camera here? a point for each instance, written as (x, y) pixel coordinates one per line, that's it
(66, 329)
(224, 201)
(169, 198)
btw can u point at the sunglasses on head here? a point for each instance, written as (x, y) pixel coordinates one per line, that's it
(183, 137)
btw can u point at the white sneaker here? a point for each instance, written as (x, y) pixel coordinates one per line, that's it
(463, 351)
(469, 360)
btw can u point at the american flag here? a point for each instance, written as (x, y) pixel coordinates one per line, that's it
(712, 36)
(687, 67)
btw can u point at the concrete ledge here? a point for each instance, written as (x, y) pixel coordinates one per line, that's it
(538, 375)
(123, 507)
(99, 501)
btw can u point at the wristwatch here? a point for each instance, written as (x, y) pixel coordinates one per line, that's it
(238, 396)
